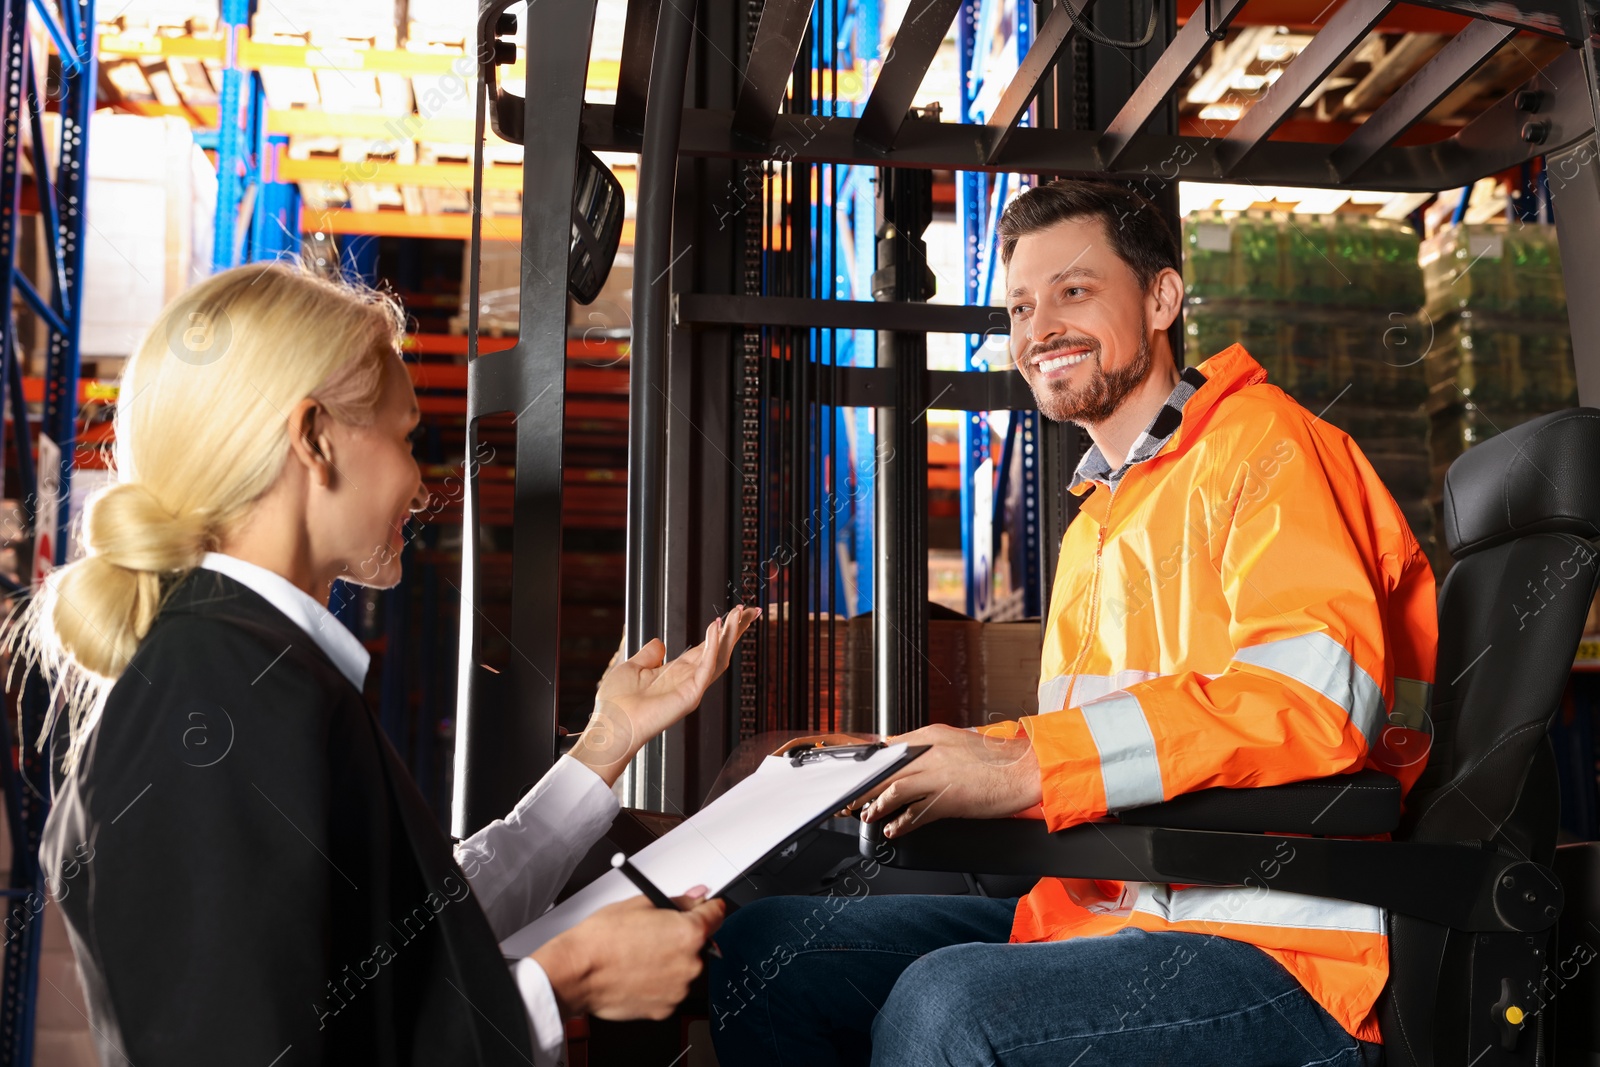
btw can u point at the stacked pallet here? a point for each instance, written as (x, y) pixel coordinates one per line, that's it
(1328, 304)
(1502, 350)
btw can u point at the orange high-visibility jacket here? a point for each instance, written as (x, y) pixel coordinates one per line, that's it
(1246, 608)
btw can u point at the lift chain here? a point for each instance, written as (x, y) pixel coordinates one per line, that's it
(752, 196)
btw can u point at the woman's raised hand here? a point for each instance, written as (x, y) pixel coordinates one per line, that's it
(643, 695)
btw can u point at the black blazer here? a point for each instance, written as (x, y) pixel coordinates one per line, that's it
(248, 873)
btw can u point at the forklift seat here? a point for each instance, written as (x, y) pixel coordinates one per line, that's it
(1485, 913)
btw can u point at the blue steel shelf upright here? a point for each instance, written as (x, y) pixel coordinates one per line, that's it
(59, 308)
(258, 217)
(980, 198)
(845, 36)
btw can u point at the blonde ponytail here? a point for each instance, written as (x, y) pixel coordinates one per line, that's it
(201, 434)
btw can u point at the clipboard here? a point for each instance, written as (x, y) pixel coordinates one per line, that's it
(786, 796)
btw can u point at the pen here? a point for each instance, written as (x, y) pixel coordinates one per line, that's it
(652, 892)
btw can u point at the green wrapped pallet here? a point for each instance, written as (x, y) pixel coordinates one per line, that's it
(1207, 255)
(1328, 305)
(1465, 267)
(1309, 277)
(1258, 260)
(1534, 272)
(1208, 329)
(1354, 260)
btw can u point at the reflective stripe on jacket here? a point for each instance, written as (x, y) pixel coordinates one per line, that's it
(1246, 608)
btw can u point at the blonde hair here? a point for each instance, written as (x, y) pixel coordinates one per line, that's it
(201, 433)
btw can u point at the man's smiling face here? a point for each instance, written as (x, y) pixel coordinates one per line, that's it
(1080, 327)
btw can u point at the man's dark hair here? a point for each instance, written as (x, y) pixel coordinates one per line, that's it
(1137, 228)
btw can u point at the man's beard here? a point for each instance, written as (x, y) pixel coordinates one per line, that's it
(1095, 400)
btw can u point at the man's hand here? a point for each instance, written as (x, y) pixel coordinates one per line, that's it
(630, 960)
(643, 695)
(964, 775)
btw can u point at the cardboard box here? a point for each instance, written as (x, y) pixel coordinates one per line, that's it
(151, 202)
(978, 672)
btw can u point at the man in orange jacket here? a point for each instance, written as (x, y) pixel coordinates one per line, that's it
(1238, 603)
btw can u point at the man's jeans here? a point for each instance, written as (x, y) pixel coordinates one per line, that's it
(913, 981)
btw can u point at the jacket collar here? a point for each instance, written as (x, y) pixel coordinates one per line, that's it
(1199, 390)
(213, 592)
(336, 642)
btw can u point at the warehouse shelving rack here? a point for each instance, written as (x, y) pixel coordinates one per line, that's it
(250, 191)
(59, 195)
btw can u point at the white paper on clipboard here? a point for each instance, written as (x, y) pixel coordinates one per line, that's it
(724, 839)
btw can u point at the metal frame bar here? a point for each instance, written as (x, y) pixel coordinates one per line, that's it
(21, 960)
(1191, 43)
(72, 184)
(899, 597)
(17, 62)
(1575, 195)
(971, 190)
(706, 309)
(46, 187)
(1416, 97)
(1042, 54)
(633, 72)
(1496, 140)
(772, 55)
(505, 741)
(1489, 143)
(949, 390)
(644, 608)
(1337, 39)
(59, 34)
(237, 164)
(1574, 190)
(39, 304)
(915, 44)
(62, 205)
(1553, 18)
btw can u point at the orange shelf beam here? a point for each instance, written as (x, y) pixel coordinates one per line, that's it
(381, 172)
(450, 344)
(401, 224)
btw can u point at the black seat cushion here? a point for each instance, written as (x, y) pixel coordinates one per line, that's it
(1539, 477)
(1366, 802)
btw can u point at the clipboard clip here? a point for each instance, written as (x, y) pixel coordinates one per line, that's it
(798, 757)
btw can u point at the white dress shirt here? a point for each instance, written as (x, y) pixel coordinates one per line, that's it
(515, 865)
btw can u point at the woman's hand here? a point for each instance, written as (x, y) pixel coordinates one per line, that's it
(630, 960)
(641, 696)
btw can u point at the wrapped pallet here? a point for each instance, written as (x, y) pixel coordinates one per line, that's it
(1502, 345)
(1330, 306)
(151, 204)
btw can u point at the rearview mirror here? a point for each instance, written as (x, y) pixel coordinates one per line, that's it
(598, 209)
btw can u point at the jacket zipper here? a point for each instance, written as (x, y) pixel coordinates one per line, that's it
(1094, 598)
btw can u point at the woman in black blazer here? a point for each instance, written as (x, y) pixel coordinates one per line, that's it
(248, 873)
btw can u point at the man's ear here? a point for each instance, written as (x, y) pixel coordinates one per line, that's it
(308, 440)
(1166, 296)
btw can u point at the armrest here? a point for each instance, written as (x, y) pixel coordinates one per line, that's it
(1468, 886)
(1366, 802)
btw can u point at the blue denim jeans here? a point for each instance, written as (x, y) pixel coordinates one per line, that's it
(913, 981)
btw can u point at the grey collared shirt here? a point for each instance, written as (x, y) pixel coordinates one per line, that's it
(1093, 467)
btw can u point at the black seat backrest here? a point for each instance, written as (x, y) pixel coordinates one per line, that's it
(1521, 512)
